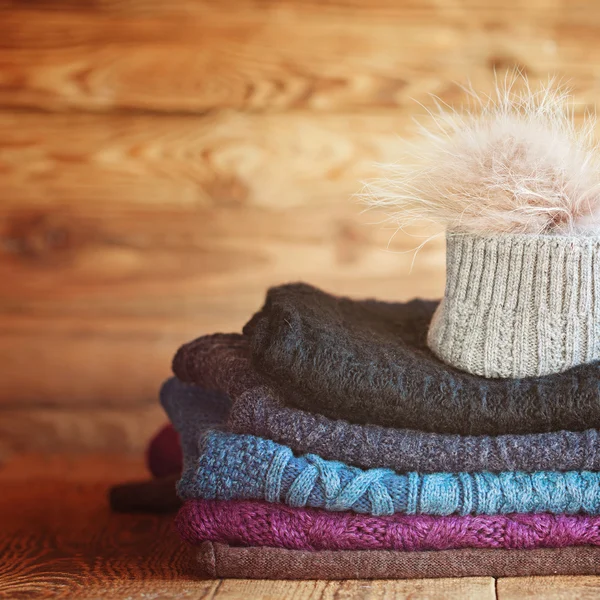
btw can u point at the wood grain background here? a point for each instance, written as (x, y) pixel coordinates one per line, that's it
(163, 163)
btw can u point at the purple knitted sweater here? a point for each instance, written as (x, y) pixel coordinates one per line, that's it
(246, 523)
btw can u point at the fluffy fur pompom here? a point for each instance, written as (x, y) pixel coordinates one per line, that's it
(512, 163)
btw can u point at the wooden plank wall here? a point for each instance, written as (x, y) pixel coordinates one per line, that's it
(163, 163)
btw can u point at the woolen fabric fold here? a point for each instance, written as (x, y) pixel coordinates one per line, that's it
(193, 417)
(368, 362)
(222, 363)
(223, 466)
(247, 523)
(222, 561)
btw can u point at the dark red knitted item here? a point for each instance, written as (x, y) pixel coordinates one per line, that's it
(164, 456)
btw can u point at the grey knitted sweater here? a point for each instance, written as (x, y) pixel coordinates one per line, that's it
(368, 362)
(221, 363)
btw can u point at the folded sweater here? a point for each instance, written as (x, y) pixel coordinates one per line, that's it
(245, 523)
(222, 561)
(368, 362)
(222, 363)
(210, 412)
(226, 466)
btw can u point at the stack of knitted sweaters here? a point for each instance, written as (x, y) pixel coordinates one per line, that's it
(329, 441)
(337, 438)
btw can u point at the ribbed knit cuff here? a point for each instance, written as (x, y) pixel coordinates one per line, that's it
(519, 305)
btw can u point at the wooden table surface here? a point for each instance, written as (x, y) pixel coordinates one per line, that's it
(58, 539)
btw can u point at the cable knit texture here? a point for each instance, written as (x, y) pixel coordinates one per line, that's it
(368, 362)
(226, 466)
(519, 305)
(245, 523)
(257, 410)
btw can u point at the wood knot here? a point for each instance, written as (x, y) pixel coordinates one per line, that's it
(227, 191)
(350, 242)
(40, 237)
(500, 63)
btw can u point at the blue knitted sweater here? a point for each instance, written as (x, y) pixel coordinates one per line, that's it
(225, 466)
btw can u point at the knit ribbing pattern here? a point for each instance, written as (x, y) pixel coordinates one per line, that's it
(519, 305)
(249, 523)
(368, 362)
(257, 410)
(243, 467)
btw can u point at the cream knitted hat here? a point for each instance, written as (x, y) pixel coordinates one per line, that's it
(516, 185)
(519, 305)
